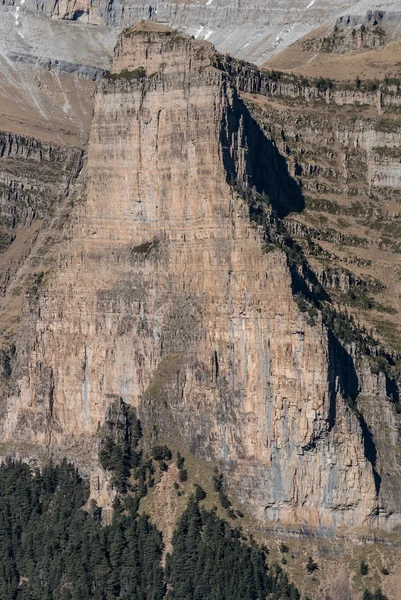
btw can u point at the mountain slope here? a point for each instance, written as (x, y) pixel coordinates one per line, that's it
(248, 29)
(362, 42)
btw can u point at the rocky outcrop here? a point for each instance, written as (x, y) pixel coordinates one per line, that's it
(356, 31)
(250, 79)
(24, 198)
(347, 163)
(61, 67)
(165, 295)
(34, 178)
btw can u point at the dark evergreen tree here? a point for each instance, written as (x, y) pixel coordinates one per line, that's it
(50, 548)
(200, 493)
(161, 453)
(211, 560)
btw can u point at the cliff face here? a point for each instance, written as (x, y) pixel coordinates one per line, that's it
(35, 181)
(347, 162)
(164, 295)
(22, 202)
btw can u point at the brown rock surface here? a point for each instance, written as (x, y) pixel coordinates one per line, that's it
(163, 296)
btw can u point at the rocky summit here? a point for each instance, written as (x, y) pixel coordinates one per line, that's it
(212, 248)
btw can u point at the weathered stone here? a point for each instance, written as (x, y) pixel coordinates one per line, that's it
(163, 296)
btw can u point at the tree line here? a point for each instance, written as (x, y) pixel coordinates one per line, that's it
(53, 546)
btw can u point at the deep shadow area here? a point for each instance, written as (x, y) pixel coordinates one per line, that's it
(251, 159)
(343, 370)
(370, 450)
(392, 389)
(342, 377)
(303, 278)
(78, 14)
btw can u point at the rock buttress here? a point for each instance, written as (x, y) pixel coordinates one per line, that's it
(164, 297)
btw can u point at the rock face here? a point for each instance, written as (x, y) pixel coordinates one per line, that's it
(250, 29)
(35, 181)
(22, 202)
(164, 295)
(347, 162)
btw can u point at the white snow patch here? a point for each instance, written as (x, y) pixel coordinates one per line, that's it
(17, 17)
(197, 34)
(254, 38)
(311, 4)
(20, 34)
(209, 2)
(207, 36)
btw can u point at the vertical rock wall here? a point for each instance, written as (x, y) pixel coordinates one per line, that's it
(163, 296)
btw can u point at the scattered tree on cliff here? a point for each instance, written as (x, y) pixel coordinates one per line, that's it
(311, 565)
(377, 595)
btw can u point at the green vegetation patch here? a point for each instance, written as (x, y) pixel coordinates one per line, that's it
(118, 451)
(166, 370)
(128, 75)
(387, 125)
(55, 546)
(212, 560)
(53, 549)
(146, 247)
(388, 152)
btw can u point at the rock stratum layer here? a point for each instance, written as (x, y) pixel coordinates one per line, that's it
(163, 294)
(250, 29)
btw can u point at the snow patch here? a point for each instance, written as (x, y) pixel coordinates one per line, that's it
(197, 34)
(17, 17)
(311, 4)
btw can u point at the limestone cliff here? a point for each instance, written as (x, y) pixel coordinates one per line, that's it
(341, 143)
(165, 294)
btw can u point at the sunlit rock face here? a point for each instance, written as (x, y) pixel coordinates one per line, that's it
(163, 295)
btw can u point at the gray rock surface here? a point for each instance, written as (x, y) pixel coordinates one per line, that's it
(47, 73)
(251, 30)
